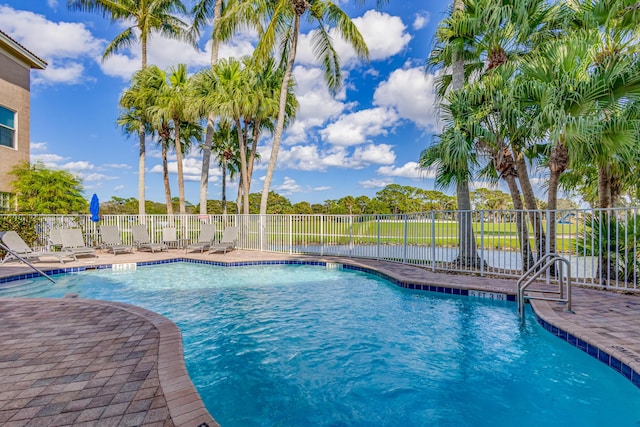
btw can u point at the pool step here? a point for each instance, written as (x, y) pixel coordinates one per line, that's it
(24, 288)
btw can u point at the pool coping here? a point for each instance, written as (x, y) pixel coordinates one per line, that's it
(180, 390)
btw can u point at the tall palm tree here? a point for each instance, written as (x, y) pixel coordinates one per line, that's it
(142, 19)
(454, 50)
(226, 148)
(571, 98)
(171, 104)
(282, 31)
(202, 12)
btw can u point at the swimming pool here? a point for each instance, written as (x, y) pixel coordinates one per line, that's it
(305, 345)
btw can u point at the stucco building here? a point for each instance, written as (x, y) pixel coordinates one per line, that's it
(16, 63)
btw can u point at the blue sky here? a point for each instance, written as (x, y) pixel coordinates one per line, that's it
(368, 136)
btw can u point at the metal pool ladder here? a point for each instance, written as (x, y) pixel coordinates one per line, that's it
(24, 260)
(541, 267)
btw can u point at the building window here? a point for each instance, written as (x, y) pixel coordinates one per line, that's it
(7, 127)
(5, 202)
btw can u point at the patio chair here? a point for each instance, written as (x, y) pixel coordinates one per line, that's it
(55, 239)
(112, 240)
(143, 242)
(19, 248)
(205, 239)
(227, 242)
(170, 237)
(72, 241)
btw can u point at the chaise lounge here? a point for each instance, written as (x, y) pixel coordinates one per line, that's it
(112, 240)
(227, 242)
(205, 239)
(72, 241)
(143, 242)
(21, 251)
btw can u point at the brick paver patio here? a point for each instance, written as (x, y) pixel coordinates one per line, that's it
(80, 362)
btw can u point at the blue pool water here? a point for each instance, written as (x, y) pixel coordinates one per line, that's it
(308, 346)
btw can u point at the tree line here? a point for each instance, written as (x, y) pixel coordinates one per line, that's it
(537, 85)
(235, 100)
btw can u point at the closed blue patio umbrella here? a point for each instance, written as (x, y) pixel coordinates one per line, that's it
(94, 208)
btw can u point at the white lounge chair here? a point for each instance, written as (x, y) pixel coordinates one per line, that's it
(227, 242)
(72, 241)
(205, 239)
(143, 242)
(55, 239)
(14, 242)
(170, 237)
(112, 240)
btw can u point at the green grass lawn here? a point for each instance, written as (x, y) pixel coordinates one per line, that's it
(502, 236)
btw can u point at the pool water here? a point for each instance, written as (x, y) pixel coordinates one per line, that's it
(287, 345)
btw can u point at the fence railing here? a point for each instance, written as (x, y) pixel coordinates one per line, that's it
(603, 246)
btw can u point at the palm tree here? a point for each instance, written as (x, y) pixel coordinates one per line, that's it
(225, 145)
(146, 18)
(454, 50)
(265, 79)
(202, 12)
(282, 31)
(170, 104)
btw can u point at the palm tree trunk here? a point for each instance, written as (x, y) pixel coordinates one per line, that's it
(224, 186)
(141, 166)
(141, 138)
(254, 148)
(208, 136)
(165, 178)
(521, 220)
(604, 187)
(243, 168)
(530, 203)
(557, 164)
(277, 137)
(178, 143)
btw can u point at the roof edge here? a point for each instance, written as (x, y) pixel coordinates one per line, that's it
(22, 52)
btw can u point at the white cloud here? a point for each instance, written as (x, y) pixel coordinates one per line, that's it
(356, 128)
(64, 45)
(411, 93)
(78, 166)
(288, 187)
(374, 154)
(49, 160)
(117, 166)
(408, 170)
(381, 44)
(53, 4)
(312, 158)
(421, 20)
(98, 177)
(38, 146)
(317, 105)
(68, 72)
(165, 53)
(375, 183)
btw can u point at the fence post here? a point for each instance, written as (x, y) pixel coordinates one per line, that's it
(321, 235)
(406, 226)
(433, 241)
(290, 234)
(481, 243)
(378, 246)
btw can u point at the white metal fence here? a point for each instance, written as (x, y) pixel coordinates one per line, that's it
(602, 246)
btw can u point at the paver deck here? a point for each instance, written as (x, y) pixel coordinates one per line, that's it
(73, 361)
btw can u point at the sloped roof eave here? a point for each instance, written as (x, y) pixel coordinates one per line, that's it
(22, 52)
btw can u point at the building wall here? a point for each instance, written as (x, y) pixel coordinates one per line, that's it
(14, 95)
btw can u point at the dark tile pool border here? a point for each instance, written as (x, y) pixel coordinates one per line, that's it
(593, 351)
